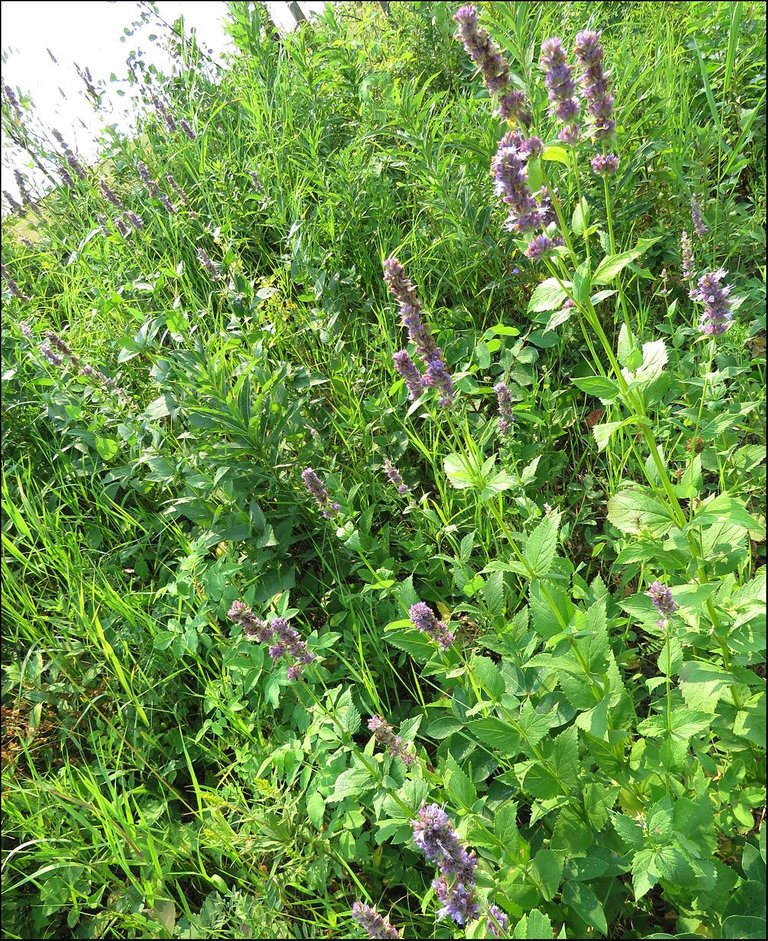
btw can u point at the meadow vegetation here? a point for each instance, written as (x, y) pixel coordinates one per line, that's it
(383, 485)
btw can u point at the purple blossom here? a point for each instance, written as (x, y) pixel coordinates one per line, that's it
(513, 106)
(317, 489)
(410, 372)
(699, 226)
(13, 101)
(438, 377)
(52, 357)
(594, 82)
(570, 134)
(717, 309)
(163, 112)
(284, 639)
(385, 736)
(12, 204)
(605, 164)
(395, 477)
(435, 837)
(531, 147)
(559, 82)
(187, 128)
(209, 266)
(110, 195)
(541, 245)
(404, 291)
(481, 49)
(508, 168)
(662, 600)
(69, 355)
(70, 158)
(506, 418)
(177, 189)
(135, 221)
(374, 924)
(13, 288)
(424, 620)
(26, 330)
(497, 919)
(121, 226)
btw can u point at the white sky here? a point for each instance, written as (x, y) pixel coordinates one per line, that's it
(88, 33)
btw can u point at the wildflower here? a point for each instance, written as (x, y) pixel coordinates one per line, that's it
(539, 246)
(176, 188)
(717, 311)
(52, 357)
(662, 600)
(532, 147)
(12, 286)
(506, 418)
(560, 86)
(284, 639)
(121, 226)
(135, 221)
(514, 106)
(13, 101)
(315, 486)
(664, 290)
(699, 226)
(73, 162)
(496, 920)
(187, 128)
(424, 620)
(439, 378)
(404, 291)
(385, 736)
(110, 195)
(67, 178)
(26, 330)
(511, 183)
(436, 838)
(409, 371)
(13, 205)
(209, 266)
(84, 369)
(374, 924)
(255, 180)
(686, 251)
(395, 477)
(605, 164)
(481, 49)
(570, 134)
(26, 196)
(163, 112)
(589, 51)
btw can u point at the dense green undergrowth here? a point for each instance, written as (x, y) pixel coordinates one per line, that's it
(599, 750)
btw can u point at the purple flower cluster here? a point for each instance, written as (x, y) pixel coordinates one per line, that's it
(506, 418)
(605, 164)
(316, 487)
(374, 924)
(717, 308)
(559, 80)
(437, 375)
(69, 355)
(455, 887)
(187, 128)
(497, 919)
(662, 600)
(541, 245)
(481, 49)
(73, 162)
(594, 82)
(699, 226)
(26, 196)
(385, 736)
(395, 477)
(12, 286)
(510, 173)
(153, 189)
(209, 266)
(13, 101)
(424, 620)
(176, 188)
(281, 637)
(164, 114)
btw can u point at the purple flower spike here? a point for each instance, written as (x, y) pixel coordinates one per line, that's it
(570, 134)
(539, 246)
(424, 620)
(699, 226)
(374, 924)
(594, 82)
(315, 486)
(395, 477)
(506, 418)
(559, 82)
(508, 168)
(513, 106)
(385, 736)
(605, 164)
(689, 262)
(480, 48)
(409, 371)
(717, 314)
(404, 292)
(496, 920)
(283, 639)
(662, 600)
(435, 837)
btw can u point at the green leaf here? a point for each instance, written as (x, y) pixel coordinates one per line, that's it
(599, 386)
(611, 265)
(629, 830)
(534, 925)
(316, 809)
(724, 508)
(459, 786)
(496, 733)
(411, 642)
(743, 926)
(350, 783)
(489, 676)
(556, 153)
(580, 218)
(107, 447)
(460, 471)
(548, 296)
(626, 345)
(541, 545)
(703, 684)
(586, 904)
(604, 431)
(653, 363)
(443, 727)
(548, 871)
(496, 484)
(634, 510)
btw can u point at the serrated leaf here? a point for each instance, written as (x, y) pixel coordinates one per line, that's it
(316, 809)
(460, 471)
(541, 545)
(586, 904)
(612, 265)
(556, 153)
(496, 733)
(634, 510)
(488, 675)
(599, 386)
(549, 295)
(653, 363)
(548, 870)
(534, 925)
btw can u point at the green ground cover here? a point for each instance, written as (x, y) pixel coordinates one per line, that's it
(598, 750)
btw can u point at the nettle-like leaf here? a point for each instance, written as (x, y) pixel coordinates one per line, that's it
(549, 295)
(612, 265)
(651, 367)
(633, 509)
(541, 545)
